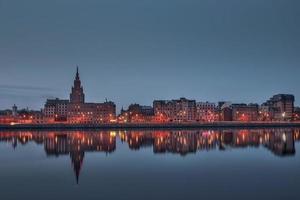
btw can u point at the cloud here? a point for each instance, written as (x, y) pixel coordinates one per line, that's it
(24, 96)
(26, 93)
(25, 88)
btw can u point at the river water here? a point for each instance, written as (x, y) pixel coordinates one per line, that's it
(150, 164)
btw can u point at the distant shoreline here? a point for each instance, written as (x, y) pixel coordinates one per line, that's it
(213, 125)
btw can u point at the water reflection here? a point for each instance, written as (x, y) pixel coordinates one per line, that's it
(281, 142)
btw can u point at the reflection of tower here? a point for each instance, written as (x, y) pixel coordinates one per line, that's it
(77, 160)
(14, 143)
(77, 95)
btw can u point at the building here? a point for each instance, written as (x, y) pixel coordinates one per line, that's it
(281, 107)
(77, 96)
(185, 110)
(224, 111)
(37, 117)
(56, 110)
(297, 113)
(22, 116)
(180, 110)
(244, 112)
(14, 110)
(137, 113)
(206, 111)
(78, 111)
(6, 117)
(238, 112)
(94, 113)
(163, 110)
(266, 112)
(147, 110)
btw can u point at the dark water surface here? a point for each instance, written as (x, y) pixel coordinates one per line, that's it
(186, 164)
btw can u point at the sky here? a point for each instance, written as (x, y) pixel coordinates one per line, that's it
(135, 51)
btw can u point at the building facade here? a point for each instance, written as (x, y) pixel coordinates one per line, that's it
(280, 107)
(224, 111)
(206, 111)
(244, 112)
(94, 113)
(56, 109)
(180, 110)
(137, 113)
(297, 113)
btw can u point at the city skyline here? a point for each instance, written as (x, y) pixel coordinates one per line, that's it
(135, 52)
(119, 106)
(76, 110)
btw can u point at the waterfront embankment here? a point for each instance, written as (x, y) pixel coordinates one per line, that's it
(150, 126)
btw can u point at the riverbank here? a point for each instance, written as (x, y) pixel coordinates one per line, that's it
(150, 126)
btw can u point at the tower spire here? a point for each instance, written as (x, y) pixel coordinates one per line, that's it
(77, 73)
(77, 95)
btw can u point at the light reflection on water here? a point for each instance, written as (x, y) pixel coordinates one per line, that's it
(135, 152)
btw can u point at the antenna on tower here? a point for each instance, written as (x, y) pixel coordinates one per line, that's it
(77, 71)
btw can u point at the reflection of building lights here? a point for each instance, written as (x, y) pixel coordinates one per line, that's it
(113, 134)
(284, 137)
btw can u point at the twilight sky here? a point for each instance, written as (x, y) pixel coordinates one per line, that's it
(135, 51)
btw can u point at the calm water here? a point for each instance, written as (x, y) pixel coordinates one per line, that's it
(196, 164)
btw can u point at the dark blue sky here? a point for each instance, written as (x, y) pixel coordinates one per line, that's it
(140, 50)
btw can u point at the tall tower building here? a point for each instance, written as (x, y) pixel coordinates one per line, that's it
(14, 110)
(77, 95)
